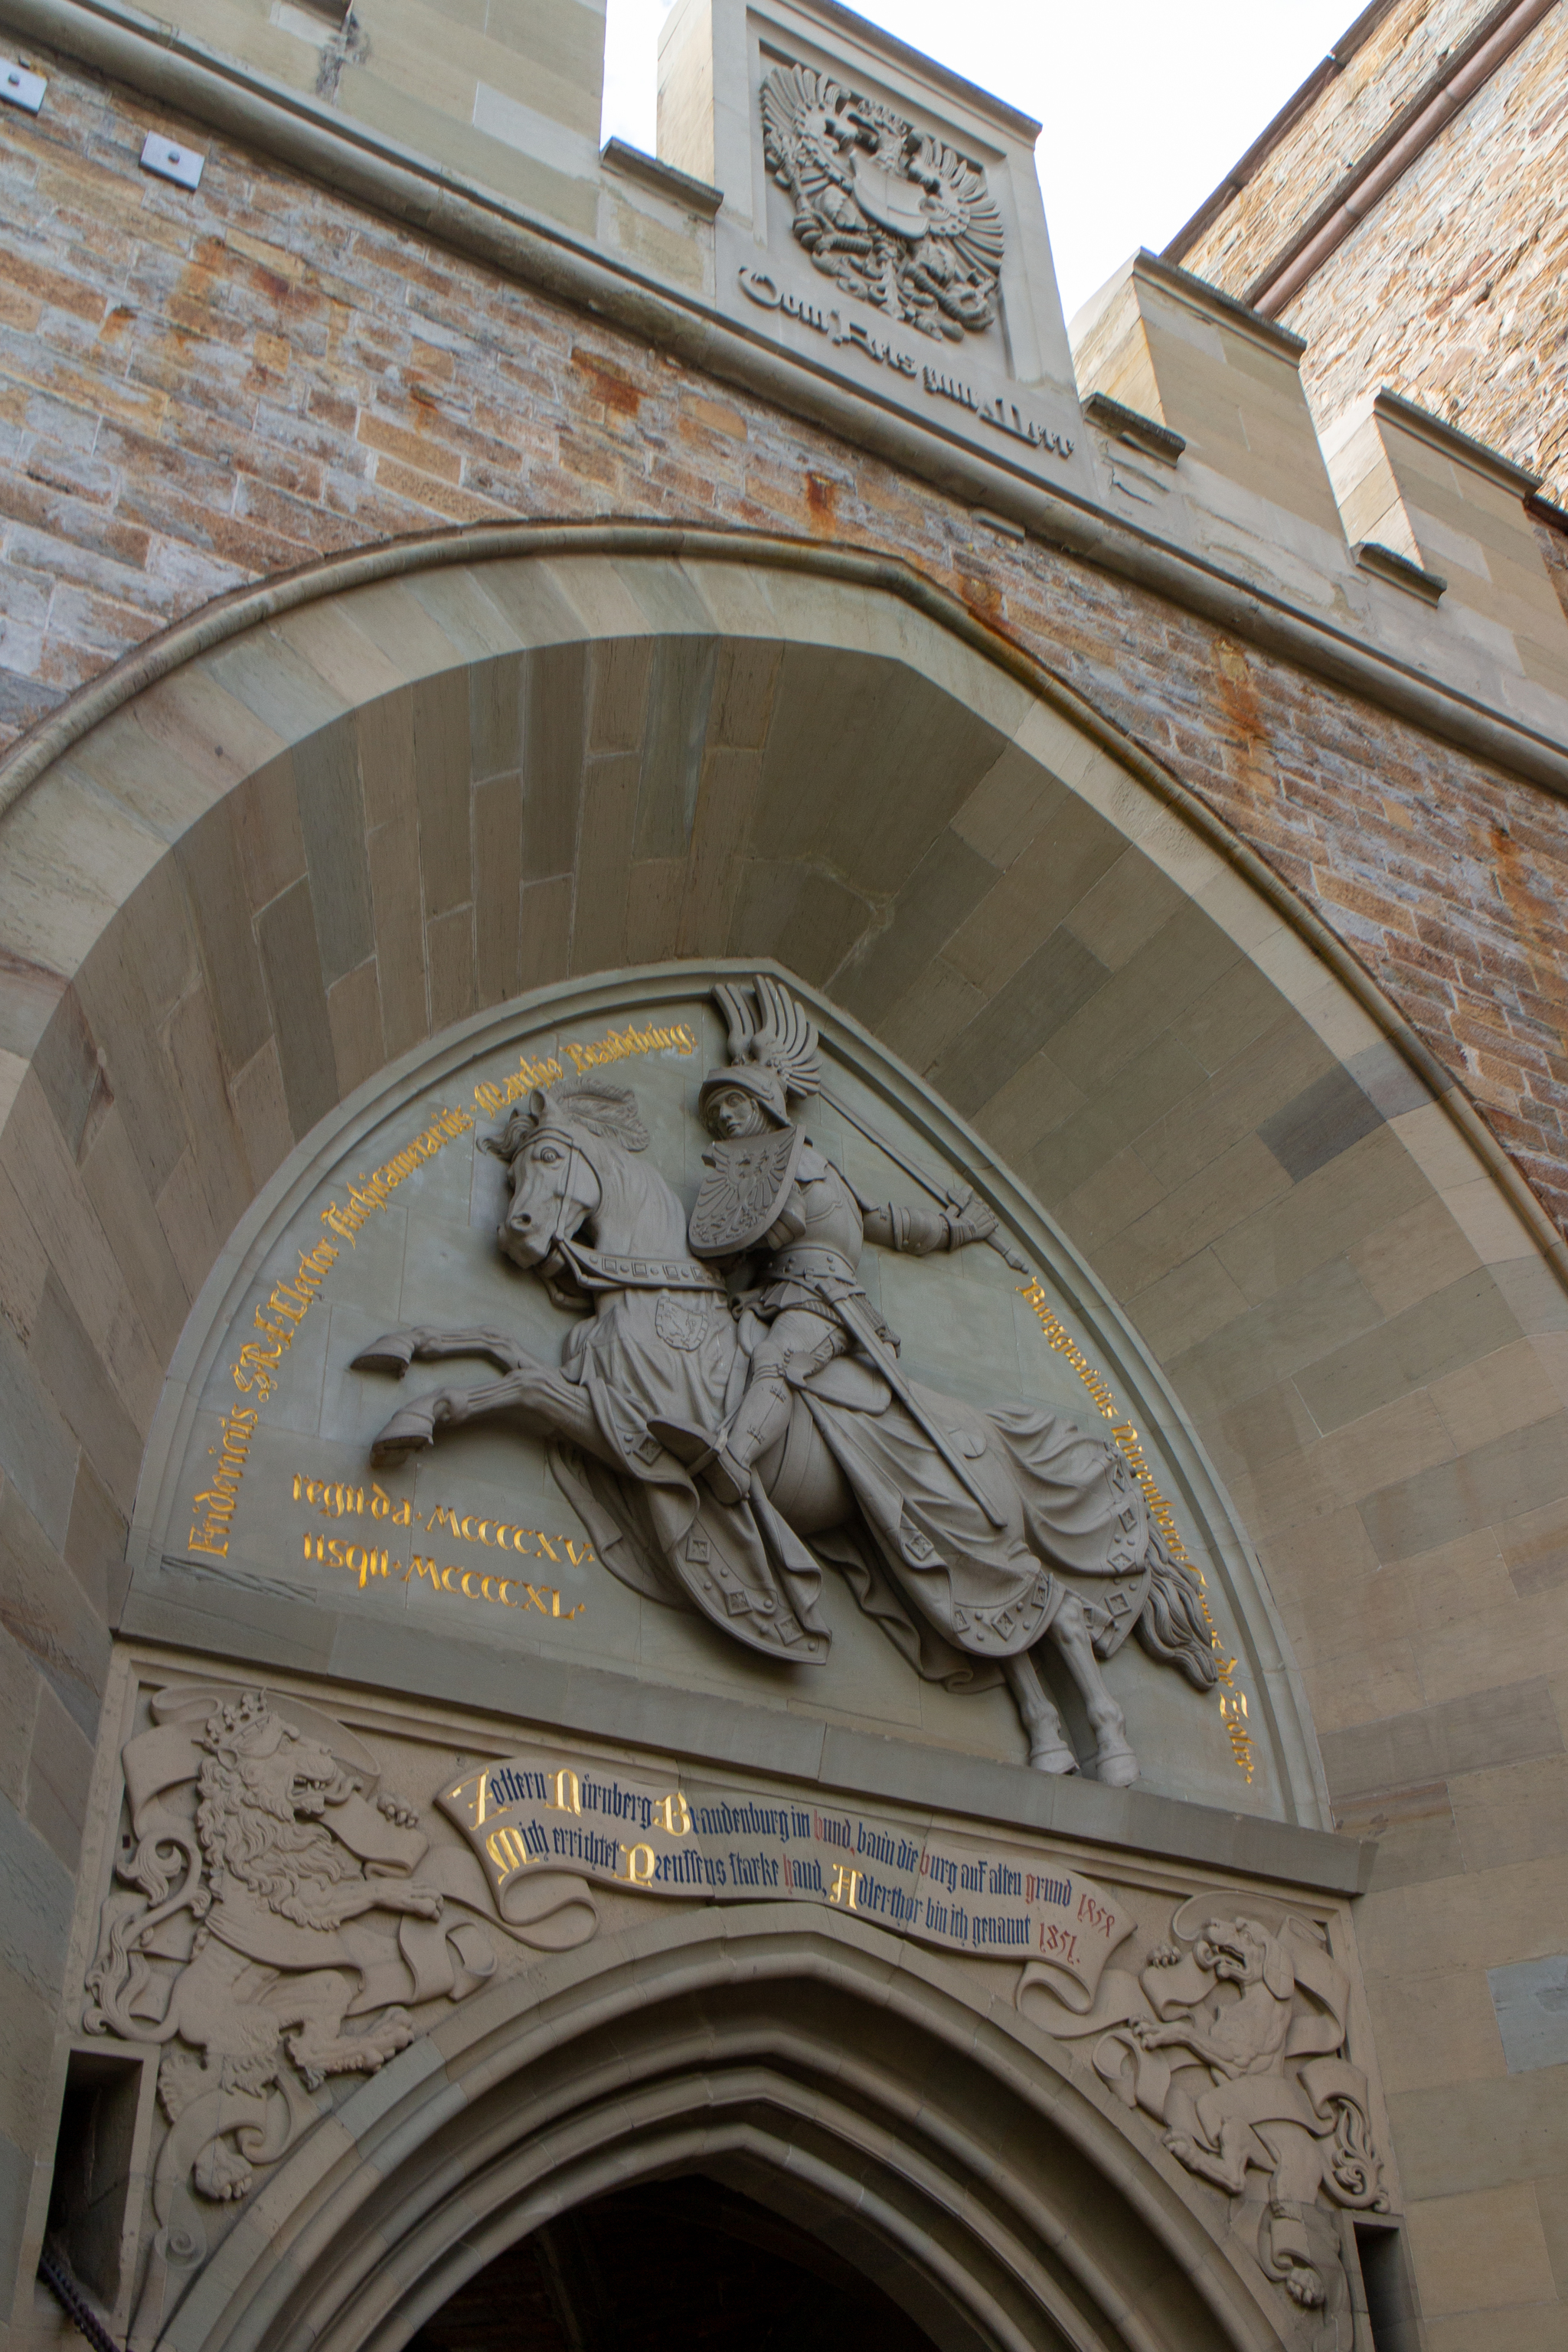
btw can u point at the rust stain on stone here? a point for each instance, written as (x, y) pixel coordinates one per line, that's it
(616, 389)
(983, 596)
(822, 502)
(1236, 691)
(1538, 924)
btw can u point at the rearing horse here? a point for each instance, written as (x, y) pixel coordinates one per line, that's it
(966, 1592)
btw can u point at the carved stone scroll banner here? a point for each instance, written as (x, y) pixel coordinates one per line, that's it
(535, 1815)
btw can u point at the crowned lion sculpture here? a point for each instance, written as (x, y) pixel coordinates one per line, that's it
(239, 1938)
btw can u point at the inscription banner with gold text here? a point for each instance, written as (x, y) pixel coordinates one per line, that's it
(993, 1900)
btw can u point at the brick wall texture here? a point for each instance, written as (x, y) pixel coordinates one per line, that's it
(1454, 290)
(196, 391)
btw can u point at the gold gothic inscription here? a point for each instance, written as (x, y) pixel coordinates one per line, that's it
(371, 1193)
(257, 1367)
(363, 1562)
(337, 1500)
(731, 1844)
(615, 1046)
(1232, 1701)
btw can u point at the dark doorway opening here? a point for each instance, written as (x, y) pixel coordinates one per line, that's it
(664, 2267)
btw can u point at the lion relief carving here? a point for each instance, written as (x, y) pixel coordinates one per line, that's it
(276, 1917)
(261, 1796)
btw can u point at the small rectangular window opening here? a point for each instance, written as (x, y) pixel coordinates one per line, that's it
(1389, 2314)
(99, 2157)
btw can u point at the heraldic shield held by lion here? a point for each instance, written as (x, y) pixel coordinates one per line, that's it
(730, 1416)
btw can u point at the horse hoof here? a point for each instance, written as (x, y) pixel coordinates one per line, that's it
(1116, 1768)
(405, 1434)
(1060, 1760)
(393, 1354)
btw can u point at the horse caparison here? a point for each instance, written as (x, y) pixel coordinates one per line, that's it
(577, 1166)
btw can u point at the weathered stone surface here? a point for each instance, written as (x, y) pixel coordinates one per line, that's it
(199, 394)
(273, 325)
(1460, 264)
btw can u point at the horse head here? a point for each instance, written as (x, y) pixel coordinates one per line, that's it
(568, 1153)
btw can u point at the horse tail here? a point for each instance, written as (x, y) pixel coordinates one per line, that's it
(1172, 1625)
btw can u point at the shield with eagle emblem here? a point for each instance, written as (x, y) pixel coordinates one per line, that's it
(747, 1186)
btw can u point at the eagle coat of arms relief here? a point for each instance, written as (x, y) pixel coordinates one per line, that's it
(889, 212)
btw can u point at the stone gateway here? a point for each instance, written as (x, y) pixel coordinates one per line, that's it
(784, 1425)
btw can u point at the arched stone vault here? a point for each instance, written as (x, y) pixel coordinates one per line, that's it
(829, 2072)
(324, 824)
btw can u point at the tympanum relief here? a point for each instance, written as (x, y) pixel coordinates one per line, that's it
(730, 1414)
(775, 1411)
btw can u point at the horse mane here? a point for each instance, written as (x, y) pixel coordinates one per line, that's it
(609, 1112)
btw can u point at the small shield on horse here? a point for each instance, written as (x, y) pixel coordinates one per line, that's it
(745, 1193)
(682, 1322)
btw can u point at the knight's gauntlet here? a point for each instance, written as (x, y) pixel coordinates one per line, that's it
(968, 1220)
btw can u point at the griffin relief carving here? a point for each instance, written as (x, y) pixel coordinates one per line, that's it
(1233, 2037)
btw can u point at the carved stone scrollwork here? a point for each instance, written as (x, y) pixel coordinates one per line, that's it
(1233, 2037)
(278, 1914)
(892, 216)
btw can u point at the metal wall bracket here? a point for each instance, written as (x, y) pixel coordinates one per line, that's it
(20, 88)
(181, 164)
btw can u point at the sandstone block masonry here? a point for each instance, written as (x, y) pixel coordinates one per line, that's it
(1450, 292)
(199, 390)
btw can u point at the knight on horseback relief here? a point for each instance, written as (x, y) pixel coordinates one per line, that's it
(730, 1412)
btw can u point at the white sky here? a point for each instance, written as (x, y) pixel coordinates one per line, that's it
(1146, 103)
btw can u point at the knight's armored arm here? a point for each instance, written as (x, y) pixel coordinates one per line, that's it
(918, 1232)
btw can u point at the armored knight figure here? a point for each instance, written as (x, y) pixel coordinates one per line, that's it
(772, 1193)
(731, 1413)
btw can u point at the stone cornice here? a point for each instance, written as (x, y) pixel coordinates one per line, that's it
(1202, 295)
(1450, 442)
(677, 187)
(188, 77)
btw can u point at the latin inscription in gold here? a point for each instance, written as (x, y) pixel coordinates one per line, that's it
(1232, 1700)
(337, 1500)
(615, 1046)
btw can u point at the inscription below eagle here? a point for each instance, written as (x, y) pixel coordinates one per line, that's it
(888, 212)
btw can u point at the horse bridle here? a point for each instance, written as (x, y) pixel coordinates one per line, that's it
(558, 1135)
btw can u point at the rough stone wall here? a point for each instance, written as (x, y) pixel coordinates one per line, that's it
(1346, 118)
(199, 390)
(1453, 290)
